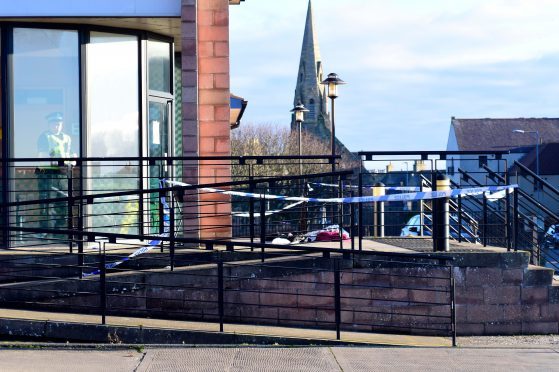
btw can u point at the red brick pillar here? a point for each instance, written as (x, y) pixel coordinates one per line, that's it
(214, 107)
(189, 75)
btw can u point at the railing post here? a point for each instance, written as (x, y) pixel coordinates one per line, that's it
(421, 211)
(81, 238)
(70, 224)
(460, 219)
(515, 219)
(161, 216)
(103, 283)
(341, 212)
(262, 225)
(337, 298)
(352, 221)
(220, 297)
(453, 305)
(172, 236)
(484, 221)
(508, 221)
(251, 211)
(5, 198)
(360, 211)
(434, 214)
(378, 218)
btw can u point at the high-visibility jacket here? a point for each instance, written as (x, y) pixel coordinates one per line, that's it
(59, 145)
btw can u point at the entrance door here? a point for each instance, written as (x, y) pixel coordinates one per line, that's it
(159, 129)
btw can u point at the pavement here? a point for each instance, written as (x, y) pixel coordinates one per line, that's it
(11, 319)
(246, 359)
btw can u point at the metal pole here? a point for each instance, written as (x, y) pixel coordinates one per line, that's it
(360, 211)
(262, 225)
(352, 221)
(251, 211)
(337, 298)
(460, 219)
(538, 153)
(434, 214)
(441, 210)
(453, 306)
(172, 236)
(161, 216)
(515, 219)
(341, 212)
(484, 221)
(220, 292)
(333, 138)
(300, 149)
(70, 189)
(103, 284)
(507, 220)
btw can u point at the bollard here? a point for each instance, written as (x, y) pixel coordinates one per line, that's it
(378, 217)
(441, 209)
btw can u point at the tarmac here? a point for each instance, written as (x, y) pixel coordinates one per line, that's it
(35, 358)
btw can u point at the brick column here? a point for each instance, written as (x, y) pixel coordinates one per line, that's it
(189, 76)
(214, 107)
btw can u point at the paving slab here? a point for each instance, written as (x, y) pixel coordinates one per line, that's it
(280, 359)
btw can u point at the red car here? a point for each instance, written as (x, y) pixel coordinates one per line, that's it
(331, 235)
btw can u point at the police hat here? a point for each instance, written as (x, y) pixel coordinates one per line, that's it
(55, 117)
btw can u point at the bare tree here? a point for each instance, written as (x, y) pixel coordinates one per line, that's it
(275, 140)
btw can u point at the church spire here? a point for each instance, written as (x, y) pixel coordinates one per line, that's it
(309, 91)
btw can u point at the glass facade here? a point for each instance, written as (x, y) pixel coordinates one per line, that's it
(113, 124)
(78, 92)
(159, 66)
(45, 112)
(45, 93)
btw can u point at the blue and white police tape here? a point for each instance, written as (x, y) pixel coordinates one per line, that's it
(424, 195)
(386, 188)
(152, 244)
(268, 213)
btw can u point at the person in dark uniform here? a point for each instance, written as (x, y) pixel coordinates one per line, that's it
(52, 180)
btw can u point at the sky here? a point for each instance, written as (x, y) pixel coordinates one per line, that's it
(410, 65)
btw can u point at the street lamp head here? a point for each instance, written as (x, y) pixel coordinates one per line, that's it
(299, 111)
(518, 131)
(332, 81)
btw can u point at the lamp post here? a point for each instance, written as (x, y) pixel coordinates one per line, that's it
(332, 82)
(537, 137)
(299, 111)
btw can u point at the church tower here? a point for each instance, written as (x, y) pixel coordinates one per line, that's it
(309, 91)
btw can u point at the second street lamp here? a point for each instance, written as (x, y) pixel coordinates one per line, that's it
(299, 111)
(537, 138)
(332, 82)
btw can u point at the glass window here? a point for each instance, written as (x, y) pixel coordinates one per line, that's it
(45, 106)
(113, 126)
(45, 95)
(159, 66)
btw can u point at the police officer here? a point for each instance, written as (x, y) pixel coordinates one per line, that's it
(52, 180)
(54, 143)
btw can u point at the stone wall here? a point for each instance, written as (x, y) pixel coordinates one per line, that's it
(500, 294)
(496, 294)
